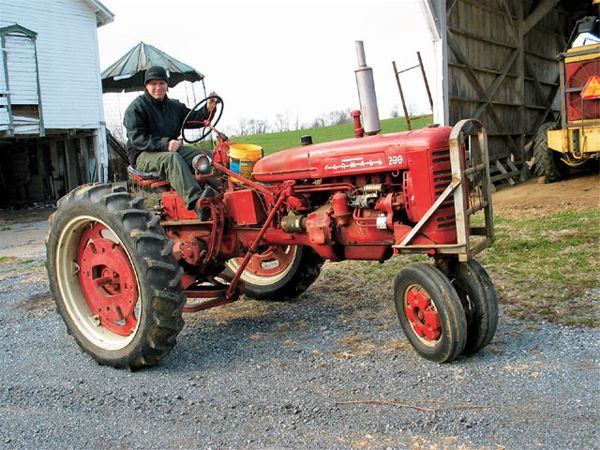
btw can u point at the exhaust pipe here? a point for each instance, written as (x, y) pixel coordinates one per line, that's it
(366, 92)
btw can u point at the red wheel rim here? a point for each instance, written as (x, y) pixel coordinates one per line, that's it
(422, 314)
(107, 280)
(267, 267)
(271, 262)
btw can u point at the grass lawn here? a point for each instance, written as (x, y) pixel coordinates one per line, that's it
(273, 142)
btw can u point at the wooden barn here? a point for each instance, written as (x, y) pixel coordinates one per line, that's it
(496, 60)
(52, 130)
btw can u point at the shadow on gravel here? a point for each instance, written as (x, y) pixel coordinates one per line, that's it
(339, 327)
(231, 336)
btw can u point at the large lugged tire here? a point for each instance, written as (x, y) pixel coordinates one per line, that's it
(430, 312)
(479, 300)
(279, 273)
(547, 161)
(113, 276)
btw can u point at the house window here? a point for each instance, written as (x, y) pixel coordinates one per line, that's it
(20, 105)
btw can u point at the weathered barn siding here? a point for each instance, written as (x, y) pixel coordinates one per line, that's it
(497, 62)
(501, 73)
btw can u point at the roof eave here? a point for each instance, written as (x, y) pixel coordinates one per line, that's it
(103, 14)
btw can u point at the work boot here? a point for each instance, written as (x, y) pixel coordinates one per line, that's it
(204, 213)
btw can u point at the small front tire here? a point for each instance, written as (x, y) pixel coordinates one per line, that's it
(430, 312)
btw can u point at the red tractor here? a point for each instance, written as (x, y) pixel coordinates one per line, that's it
(122, 275)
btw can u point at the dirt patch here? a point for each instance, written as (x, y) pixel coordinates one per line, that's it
(12, 216)
(533, 199)
(38, 305)
(23, 240)
(359, 345)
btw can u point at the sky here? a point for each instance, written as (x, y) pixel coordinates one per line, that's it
(269, 57)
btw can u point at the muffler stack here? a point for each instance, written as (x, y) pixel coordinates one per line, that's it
(366, 92)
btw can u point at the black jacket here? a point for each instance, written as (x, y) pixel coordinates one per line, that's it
(151, 124)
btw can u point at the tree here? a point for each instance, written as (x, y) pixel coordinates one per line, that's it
(318, 122)
(338, 117)
(248, 127)
(242, 127)
(282, 122)
(258, 126)
(297, 124)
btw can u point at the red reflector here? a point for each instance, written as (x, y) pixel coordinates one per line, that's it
(591, 90)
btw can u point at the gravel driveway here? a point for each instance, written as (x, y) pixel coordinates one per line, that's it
(331, 370)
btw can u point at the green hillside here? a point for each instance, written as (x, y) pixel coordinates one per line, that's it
(273, 142)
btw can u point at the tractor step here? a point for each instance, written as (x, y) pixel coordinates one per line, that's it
(205, 295)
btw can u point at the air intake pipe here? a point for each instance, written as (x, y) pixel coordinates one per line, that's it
(366, 92)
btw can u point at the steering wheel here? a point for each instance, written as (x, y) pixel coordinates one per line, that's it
(201, 127)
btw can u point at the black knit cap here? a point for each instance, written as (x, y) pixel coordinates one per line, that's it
(156, 73)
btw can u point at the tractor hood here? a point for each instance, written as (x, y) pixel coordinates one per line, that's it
(356, 156)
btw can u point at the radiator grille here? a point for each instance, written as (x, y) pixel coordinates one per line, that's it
(441, 175)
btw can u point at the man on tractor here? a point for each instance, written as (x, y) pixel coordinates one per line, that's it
(153, 122)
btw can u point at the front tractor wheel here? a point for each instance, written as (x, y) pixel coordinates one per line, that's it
(279, 272)
(430, 312)
(479, 300)
(113, 276)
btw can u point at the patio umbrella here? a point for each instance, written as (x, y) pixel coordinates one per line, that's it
(127, 73)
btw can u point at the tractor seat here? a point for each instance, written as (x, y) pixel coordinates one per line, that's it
(152, 179)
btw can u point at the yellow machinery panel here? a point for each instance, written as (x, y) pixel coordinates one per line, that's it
(563, 140)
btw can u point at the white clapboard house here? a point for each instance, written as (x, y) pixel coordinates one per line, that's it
(52, 130)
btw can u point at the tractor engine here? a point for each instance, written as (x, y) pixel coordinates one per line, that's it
(365, 194)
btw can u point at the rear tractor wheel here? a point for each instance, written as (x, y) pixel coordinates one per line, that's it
(430, 312)
(547, 161)
(113, 276)
(279, 273)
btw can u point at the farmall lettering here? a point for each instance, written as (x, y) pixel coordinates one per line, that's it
(351, 164)
(367, 163)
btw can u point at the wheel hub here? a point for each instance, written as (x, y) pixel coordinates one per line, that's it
(268, 266)
(422, 315)
(270, 262)
(107, 280)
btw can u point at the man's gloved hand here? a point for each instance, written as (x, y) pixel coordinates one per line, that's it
(174, 145)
